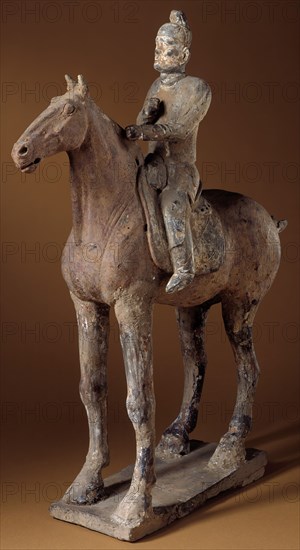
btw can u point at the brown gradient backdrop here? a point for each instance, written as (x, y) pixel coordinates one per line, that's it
(247, 143)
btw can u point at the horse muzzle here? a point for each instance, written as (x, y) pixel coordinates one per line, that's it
(23, 157)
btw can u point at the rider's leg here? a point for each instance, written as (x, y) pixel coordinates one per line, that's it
(176, 209)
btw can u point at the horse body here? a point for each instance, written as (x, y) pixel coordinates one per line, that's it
(107, 262)
(108, 225)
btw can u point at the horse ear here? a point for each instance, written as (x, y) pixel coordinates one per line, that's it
(70, 82)
(82, 86)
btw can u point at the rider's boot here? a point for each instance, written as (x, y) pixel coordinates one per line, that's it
(183, 264)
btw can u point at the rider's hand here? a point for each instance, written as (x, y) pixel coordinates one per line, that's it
(133, 132)
(151, 109)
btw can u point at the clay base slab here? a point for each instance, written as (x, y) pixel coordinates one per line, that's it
(183, 485)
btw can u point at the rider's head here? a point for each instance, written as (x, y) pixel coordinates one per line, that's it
(173, 40)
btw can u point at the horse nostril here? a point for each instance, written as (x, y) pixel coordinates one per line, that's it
(23, 151)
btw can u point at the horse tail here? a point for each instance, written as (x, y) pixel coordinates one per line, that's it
(280, 224)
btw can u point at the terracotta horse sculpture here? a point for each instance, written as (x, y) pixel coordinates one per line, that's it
(109, 228)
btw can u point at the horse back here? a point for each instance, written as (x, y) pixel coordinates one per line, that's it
(251, 235)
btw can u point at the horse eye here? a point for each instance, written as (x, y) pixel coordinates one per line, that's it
(69, 109)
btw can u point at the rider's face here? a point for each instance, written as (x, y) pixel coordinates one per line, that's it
(169, 54)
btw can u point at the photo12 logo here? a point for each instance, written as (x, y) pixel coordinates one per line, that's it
(70, 11)
(43, 92)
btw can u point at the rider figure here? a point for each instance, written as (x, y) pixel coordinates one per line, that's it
(174, 106)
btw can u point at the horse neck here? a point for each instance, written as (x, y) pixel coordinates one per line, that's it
(103, 177)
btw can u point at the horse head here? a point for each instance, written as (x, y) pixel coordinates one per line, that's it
(60, 127)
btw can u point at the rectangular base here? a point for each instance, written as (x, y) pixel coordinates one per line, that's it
(183, 485)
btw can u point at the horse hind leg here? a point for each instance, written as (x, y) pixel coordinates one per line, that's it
(191, 324)
(238, 320)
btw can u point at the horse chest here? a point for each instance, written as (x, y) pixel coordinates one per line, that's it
(96, 271)
(83, 271)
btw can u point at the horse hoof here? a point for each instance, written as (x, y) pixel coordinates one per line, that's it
(85, 491)
(173, 443)
(228, 455)
(84, 496)
(134, 509)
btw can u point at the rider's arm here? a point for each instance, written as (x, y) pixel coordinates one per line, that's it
(174, 130)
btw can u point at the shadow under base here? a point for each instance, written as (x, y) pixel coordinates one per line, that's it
(183, 485)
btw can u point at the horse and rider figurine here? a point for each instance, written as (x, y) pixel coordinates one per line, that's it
(155, 237)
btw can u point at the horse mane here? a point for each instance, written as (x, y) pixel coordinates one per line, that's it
(80, 88)
(115, 132)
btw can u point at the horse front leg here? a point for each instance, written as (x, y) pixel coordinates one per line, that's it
(134, 315)
(93, 332)
(191, 324)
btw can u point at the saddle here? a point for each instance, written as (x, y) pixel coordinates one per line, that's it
(206, 227)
